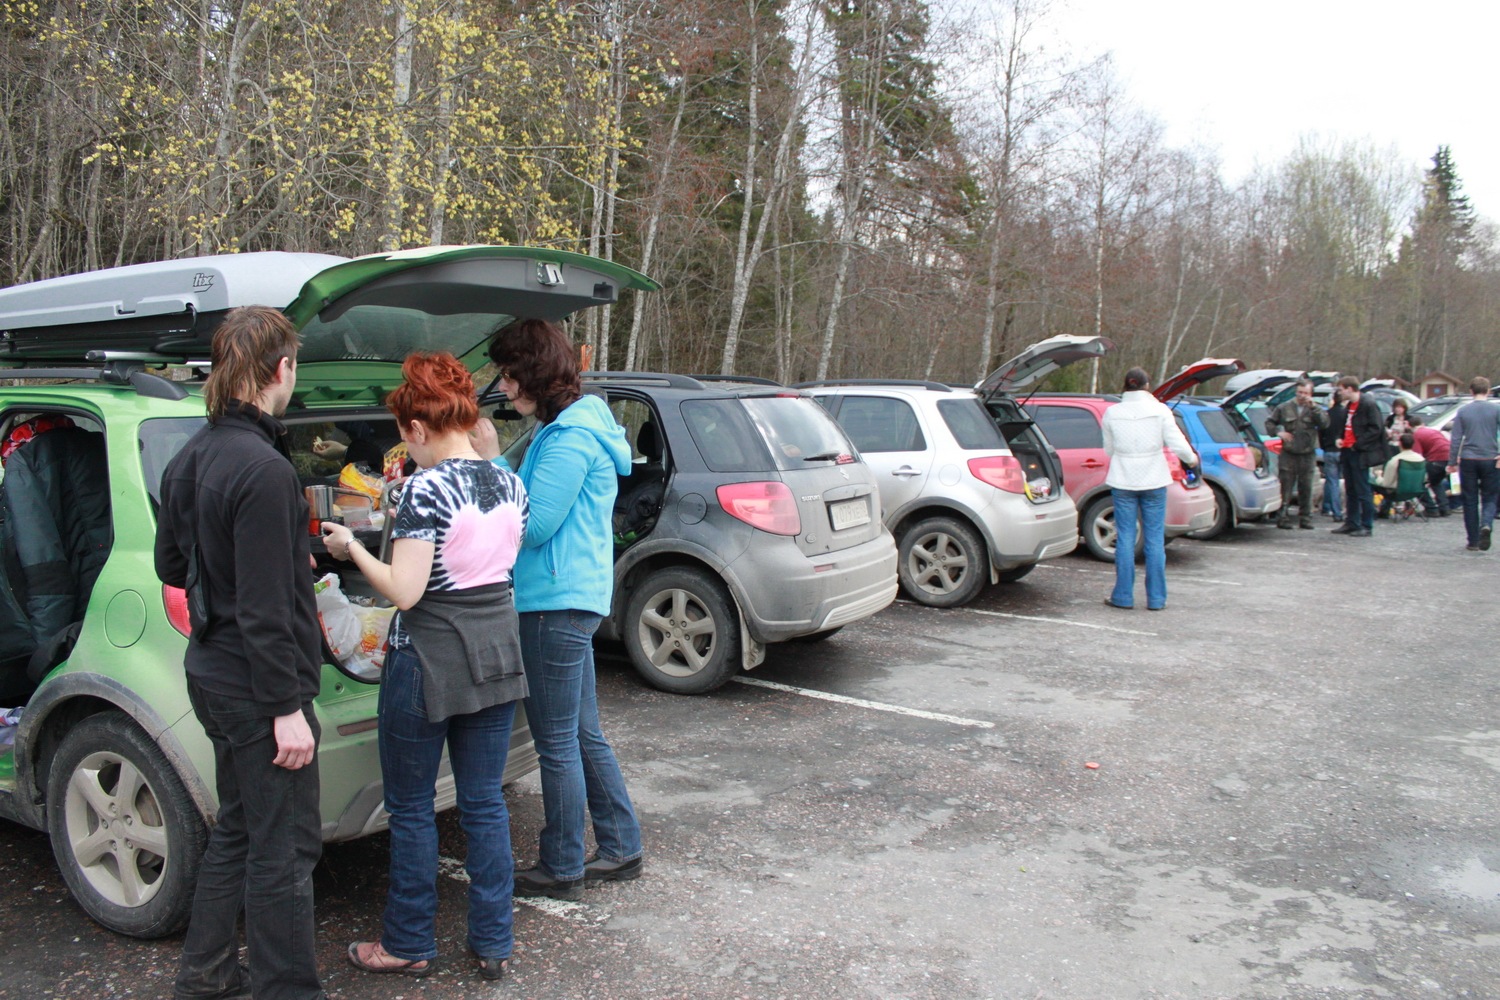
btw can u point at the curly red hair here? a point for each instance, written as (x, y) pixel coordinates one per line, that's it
(438, 391)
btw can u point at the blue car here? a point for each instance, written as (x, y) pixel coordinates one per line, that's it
(1235, 462)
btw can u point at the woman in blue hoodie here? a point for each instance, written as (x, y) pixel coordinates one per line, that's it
(564, 580)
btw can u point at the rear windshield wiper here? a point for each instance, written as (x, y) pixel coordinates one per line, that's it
(827, 456)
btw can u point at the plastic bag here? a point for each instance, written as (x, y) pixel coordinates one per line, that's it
(356, 634)
(360, 479)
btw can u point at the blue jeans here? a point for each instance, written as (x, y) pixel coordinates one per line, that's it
(411, 748)
(1478, 479)
(1146, 509)
(1359, 494)
(260, 860)
(579, 770)
(1333, 500)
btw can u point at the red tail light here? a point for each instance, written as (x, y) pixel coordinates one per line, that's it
(1240, 457)
(1000, 471)
(1274, 444)
(175, 601)
(768, 506)
(1174, 464)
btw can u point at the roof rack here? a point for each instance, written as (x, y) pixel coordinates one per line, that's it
(118, 373)
(908, 382)
(746, 379)
(655, 378)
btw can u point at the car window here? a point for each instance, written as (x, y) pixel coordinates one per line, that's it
(798, 431)
(1218, 427)
(725, 435)
(160, 441)
(377, 332)
(1069, 426)
(634, 414)
(971, 425)
(881, 423)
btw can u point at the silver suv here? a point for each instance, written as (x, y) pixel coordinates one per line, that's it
(971, 489)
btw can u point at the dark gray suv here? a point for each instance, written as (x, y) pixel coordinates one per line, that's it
(747, 519)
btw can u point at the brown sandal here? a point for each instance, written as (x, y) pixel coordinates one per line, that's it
(401, 968)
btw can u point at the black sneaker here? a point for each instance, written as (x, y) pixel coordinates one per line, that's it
(603, 870)
(532, 882)
(1484, 539)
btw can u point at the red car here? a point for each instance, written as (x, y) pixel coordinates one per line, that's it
(1072, 423)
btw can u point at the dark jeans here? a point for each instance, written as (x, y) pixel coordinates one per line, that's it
(411, 749)
(1359, 494)
(579, 770)
(260, 860)
(1296, 475)
(1480, 481)
(1437, 486)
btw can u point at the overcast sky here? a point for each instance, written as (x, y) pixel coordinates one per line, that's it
(1250, 78)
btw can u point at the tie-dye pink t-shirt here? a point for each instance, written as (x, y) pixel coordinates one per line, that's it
(474, 512)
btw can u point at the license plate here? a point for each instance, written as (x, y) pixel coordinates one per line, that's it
(849, 514)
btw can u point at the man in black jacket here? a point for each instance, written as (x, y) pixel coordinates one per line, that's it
(233, 533)
(1361, 448)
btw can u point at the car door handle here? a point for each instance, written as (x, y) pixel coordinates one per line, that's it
(906, 471)
(1093, 464)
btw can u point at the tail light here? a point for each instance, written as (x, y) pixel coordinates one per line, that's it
(1274, 444)
(175, 601)
(1000, 471)
(768, 506)
(1239, 457)
(1186, 477)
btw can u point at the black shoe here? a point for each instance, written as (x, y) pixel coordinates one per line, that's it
(1344, 529)
(536, 882)
(1307, 525)
(603, 870)
(239, 991)
(1361, 533)
(1284, 524)
(1484, 539)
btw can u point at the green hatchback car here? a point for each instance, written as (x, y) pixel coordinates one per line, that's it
(107, 756)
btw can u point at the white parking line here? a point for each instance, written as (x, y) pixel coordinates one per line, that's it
(1110, 572)
(578, 913)
(1039, 618)
(862, 703)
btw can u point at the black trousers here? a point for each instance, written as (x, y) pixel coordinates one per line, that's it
(260, 860)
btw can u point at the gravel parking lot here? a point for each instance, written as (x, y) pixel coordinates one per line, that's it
(1295, 796)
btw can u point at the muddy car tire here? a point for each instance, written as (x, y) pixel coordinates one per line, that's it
(124, 830)
(942, 563)
(1097, 526)
(682, 631)
(1223, 517)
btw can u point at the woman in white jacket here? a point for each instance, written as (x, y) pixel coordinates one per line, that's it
(1136, 430)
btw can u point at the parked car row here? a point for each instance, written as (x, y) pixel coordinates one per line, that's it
(754, 513)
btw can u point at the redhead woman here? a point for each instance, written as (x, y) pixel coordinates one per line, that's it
(453, 672)
(564, 582)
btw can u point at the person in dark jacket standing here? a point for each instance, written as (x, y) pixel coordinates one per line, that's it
(1475, 456)
(1361, 448)
(232, 532)
(1297, 422)
(1328, 439)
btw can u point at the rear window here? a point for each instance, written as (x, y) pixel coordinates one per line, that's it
(881, 423)
(725, 436)
(1068, 426)
(798, 431)
(972, 427)
(1219, 427)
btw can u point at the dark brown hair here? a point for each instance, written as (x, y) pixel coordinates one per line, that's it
(1136, 379)
(542, 361)
(1408, 440)
(1349, 382)
(1478, 385)
(438, 391)
(247, 348)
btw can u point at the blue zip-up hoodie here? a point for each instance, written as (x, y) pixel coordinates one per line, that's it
(567, 559)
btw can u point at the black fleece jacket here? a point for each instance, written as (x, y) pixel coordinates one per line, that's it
(233, 494)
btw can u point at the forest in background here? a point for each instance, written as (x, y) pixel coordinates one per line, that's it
(826, 188)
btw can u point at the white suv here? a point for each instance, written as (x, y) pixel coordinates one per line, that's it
(970, 487)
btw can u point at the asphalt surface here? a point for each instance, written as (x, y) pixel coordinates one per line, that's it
(1295, 796)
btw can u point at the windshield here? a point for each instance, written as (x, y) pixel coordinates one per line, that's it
(799, 431)
(1434, 410)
